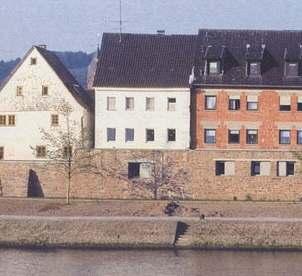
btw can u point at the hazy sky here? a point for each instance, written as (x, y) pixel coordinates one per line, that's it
(74, 24)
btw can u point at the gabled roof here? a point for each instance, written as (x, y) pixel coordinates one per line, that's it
(267, 47)
(61, 71)
(145, 61)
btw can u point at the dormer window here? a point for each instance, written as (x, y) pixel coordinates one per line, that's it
(214, 67)
(292, 69)
(254, 69)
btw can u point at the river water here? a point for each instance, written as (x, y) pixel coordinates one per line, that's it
(149, 263)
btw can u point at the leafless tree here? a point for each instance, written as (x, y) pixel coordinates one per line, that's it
(167, 180)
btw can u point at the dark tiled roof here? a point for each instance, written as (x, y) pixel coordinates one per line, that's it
(142, 60)
(66, 77)
(269, 47)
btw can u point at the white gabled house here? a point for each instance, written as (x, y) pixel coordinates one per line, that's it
(142, 94)
(28, 98)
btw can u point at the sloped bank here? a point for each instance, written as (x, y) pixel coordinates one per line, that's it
(151, 232)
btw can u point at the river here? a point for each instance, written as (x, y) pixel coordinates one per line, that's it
(149, 263)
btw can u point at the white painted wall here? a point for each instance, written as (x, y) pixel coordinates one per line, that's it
(32, 110)
(160, 119)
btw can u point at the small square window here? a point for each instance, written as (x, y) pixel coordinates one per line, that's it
(285, 168)
(67, 152)
(210, 102)
(225, 168)
(299, 105)
(214, 67)
(44, 90)
(54, 120)
(19, 91)
(171, 135)
(11, 120)
(129, 103)
(33, 61)
(284, 137)
(292, 69)
(111, 133)
(129, 134)
(111, 103)
(2, 120)
(234, 104)
(1, 153)
(252, 136)
(285, 103)
(40, 151)
(254, 69)
(252, 105)
(234, 136)
(210, 136)
(149, 104)
(171, 104)
(149, 135)
(140, 170)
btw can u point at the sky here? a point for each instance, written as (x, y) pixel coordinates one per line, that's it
(74, 25)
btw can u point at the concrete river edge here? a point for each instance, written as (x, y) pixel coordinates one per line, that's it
(151, 232)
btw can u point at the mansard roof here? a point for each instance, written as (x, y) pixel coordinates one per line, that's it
(145, 61)
(61, 71)
(271, 48)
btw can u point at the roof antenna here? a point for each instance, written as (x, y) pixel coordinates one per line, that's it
(121, 21)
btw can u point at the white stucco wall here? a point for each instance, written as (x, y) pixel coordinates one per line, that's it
(139, 119)
(32, 110)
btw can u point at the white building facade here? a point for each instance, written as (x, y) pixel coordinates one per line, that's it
(29, 101)
(142, 118)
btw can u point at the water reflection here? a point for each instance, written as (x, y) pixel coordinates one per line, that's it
(149, 263)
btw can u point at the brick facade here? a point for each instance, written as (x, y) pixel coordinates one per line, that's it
(268, 119)
(200, 164)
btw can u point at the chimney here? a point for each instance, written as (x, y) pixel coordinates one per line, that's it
(44, 46)
(161, 32)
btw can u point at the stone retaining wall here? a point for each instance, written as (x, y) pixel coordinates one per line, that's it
(203, 184)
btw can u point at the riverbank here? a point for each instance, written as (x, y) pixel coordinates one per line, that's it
(151, 232)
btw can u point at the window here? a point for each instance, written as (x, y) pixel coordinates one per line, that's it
(33, 61)
(171, 135)
(149, 135)
(262, 168)
(234, 136)
(299, 103)
(252, 136)
(149, 104)
(299, 137)
(139, 170)
(252, 102)
(44, 90)
(171, 104)
(210, 136)
(214, 67)
(1, 153)
(284, 103)
(67, 152)
(284, 136)
(254, 69)
(11, 120)
(129, 134)
(292, 69)
(54, 120)
(19, 91)
(129, 103)
(234, 102)
(225, 168)
(41, 151)
(111, 132)
(2, 120)
(210, 102)
(285, 168)
(111, 102)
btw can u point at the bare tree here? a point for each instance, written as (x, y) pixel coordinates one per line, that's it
(67, 145)
(166, 179)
